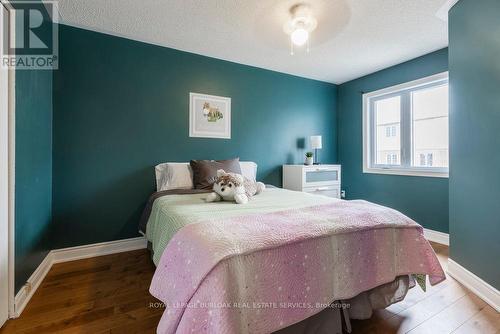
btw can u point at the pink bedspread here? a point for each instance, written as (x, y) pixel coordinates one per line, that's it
(263, 272)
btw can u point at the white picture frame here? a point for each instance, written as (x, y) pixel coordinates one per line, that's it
(209, 116)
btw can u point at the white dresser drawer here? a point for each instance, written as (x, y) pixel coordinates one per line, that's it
(318, 179)
(320, 176)
(332, 191)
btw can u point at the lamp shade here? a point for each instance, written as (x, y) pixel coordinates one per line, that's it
(316, 142)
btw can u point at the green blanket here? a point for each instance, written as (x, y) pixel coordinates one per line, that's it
(172, 212)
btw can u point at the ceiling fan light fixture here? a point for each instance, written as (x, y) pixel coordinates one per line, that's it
(300, 25)
(299, 36)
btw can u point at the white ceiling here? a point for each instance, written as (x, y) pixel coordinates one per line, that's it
(353, 38)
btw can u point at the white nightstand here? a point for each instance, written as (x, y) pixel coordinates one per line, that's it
(315, 179)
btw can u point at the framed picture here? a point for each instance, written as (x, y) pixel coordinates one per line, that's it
(209, 116)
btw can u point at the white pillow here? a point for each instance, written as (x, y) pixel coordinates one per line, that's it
(174, 175)
(179, 175)
(249, 170)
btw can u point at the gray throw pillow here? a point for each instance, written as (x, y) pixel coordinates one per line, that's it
(205, 171)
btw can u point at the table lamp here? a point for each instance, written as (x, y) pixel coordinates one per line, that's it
(315, 145)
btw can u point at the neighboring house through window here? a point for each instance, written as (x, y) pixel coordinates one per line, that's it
(405, 128)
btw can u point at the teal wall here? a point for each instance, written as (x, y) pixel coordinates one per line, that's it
(422, 198)
(33, 168)
(475, 137)
(121, 106)
(33, 177)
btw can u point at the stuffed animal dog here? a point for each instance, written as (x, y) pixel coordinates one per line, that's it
(233, 187)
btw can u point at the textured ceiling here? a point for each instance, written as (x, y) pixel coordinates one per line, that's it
(353, 38)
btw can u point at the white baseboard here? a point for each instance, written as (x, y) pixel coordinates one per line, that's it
(478, 286)
(26, 292)
(70, 254)
(103, 248)
(436, 236)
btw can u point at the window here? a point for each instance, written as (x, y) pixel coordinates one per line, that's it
(392, 159)
(422, 159)
(429, 159)
(405, 128)
(390, 131)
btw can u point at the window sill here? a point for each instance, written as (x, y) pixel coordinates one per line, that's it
(405, 172)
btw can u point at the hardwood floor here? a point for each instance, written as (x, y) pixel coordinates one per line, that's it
(109, 294)
(445, 308)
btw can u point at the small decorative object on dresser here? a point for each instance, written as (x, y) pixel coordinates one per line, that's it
(309, 158)
(316, 179)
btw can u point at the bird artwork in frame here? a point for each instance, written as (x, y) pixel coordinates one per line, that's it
(209, 116)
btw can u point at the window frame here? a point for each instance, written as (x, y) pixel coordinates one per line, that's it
(404, 91)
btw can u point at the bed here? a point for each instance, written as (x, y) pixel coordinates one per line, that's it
(279, 261)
